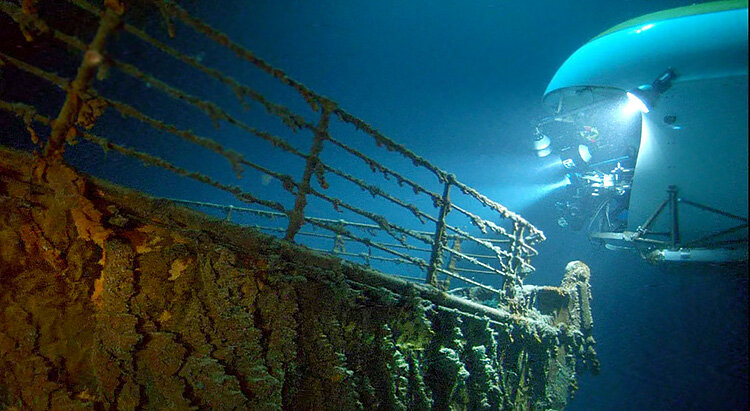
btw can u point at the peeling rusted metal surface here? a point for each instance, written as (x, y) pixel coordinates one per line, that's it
(114, 300)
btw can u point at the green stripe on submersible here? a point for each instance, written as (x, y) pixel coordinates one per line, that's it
(702, 8)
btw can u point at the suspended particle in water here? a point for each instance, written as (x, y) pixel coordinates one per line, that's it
(265, 179)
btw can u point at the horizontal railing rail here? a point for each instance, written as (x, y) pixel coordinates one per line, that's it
(507, 256)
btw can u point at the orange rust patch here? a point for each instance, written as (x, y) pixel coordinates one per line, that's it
(32, 133)
(96, 296)
(146, 239)
(137, 239)
(178, 267)
(165, 316)
(179, 239)
(87, 220)
(86, 396)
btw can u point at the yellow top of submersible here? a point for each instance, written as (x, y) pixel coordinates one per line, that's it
(702, 8)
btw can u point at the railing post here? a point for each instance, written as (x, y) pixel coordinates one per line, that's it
(512, 280)
(436, 258)
(92, 59)
(674, 229)
(297, 215)
(452, 257)
(516, 249)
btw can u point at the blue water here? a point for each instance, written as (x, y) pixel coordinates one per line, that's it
(459, 83)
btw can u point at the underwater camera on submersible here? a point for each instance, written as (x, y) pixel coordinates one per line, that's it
(649, 127)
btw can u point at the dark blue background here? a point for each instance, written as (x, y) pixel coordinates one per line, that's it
(460, 83)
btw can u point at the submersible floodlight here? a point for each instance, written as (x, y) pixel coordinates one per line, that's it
(644, 97)
(575, 157)
(541, 144)
(635, 104)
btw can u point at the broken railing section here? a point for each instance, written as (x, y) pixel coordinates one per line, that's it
(83, 105)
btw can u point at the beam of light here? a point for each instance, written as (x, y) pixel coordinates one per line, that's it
(519, 198)
(565, 181)
(553, 164)
(634, 105)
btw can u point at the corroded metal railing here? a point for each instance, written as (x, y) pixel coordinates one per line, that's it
(339, 243)
(509, 256)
